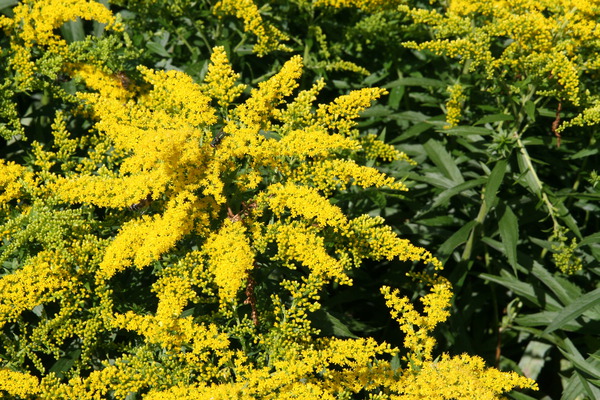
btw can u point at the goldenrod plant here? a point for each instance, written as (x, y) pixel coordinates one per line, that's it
(497, 104)
(175, 239)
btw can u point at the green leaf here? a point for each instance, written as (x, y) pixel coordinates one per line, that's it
(523, 289)
(412, 131)
(534, 358)
(494, 181)
(589, 366)
(468, 131)
(563, 212)
(330, 325)
(527, 177)
(459, 237)
(395, 96)
(447, 194)
(583, 153)
(494, 118)
(591, 239)
(530, 110)
(509, 232)
(564, 290)
(520, 396)
(442, 220)
(7, 3)
(73, 30)
(63, 364)
(577, 385)
(575, 309)
(544, 319)
(158, 49)
(415, 82)
(443, 160)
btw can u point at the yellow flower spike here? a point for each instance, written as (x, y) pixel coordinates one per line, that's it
(300, 244)
(375, 149)
(40, 280)
(315, 142)
(372, 239)
(176, 92)
(220, 80)
(108, 85)
(174, 293)
(34, 24)
(418, 327)
(11, 186)
(259, 107)
(113, 192)
(298, 114)
(230, 258)
(18, 384)
(330, 175)
(39, 18)
(302, 201)
(454, 105)
(463, 376)
(142, 241)
(269, 37)
(341, 114)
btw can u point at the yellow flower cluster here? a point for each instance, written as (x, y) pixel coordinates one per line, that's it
(220, 80)
(35, 23)
(564, 255)
(302, 201)
(40, 280)
(551, 41)
(142, 241)
(454, 105)
(377, 241)
(108, 85)
(17, 383)
(269, 37)
(341, 114)
(13, 177)
(368, 5)
(375, 149)
(417, 327)
(259, 108)
(230, 258)
(589, 116)
(303, 245)
(330, 175)
(239, 227)
(460, 377)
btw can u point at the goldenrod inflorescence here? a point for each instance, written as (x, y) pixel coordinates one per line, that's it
(180, 246)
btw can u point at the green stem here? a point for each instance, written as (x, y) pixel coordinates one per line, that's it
(538, 189)
(483, 210)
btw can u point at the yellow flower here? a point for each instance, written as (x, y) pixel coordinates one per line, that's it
(108, 85)
(230, 258)
(368, 5)
(18, 383)
(269, 37)
(462, 377)
(454, 105)
(418, 327)
(548, 40)
(142, 241)
(220, 80)
(34, 24)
